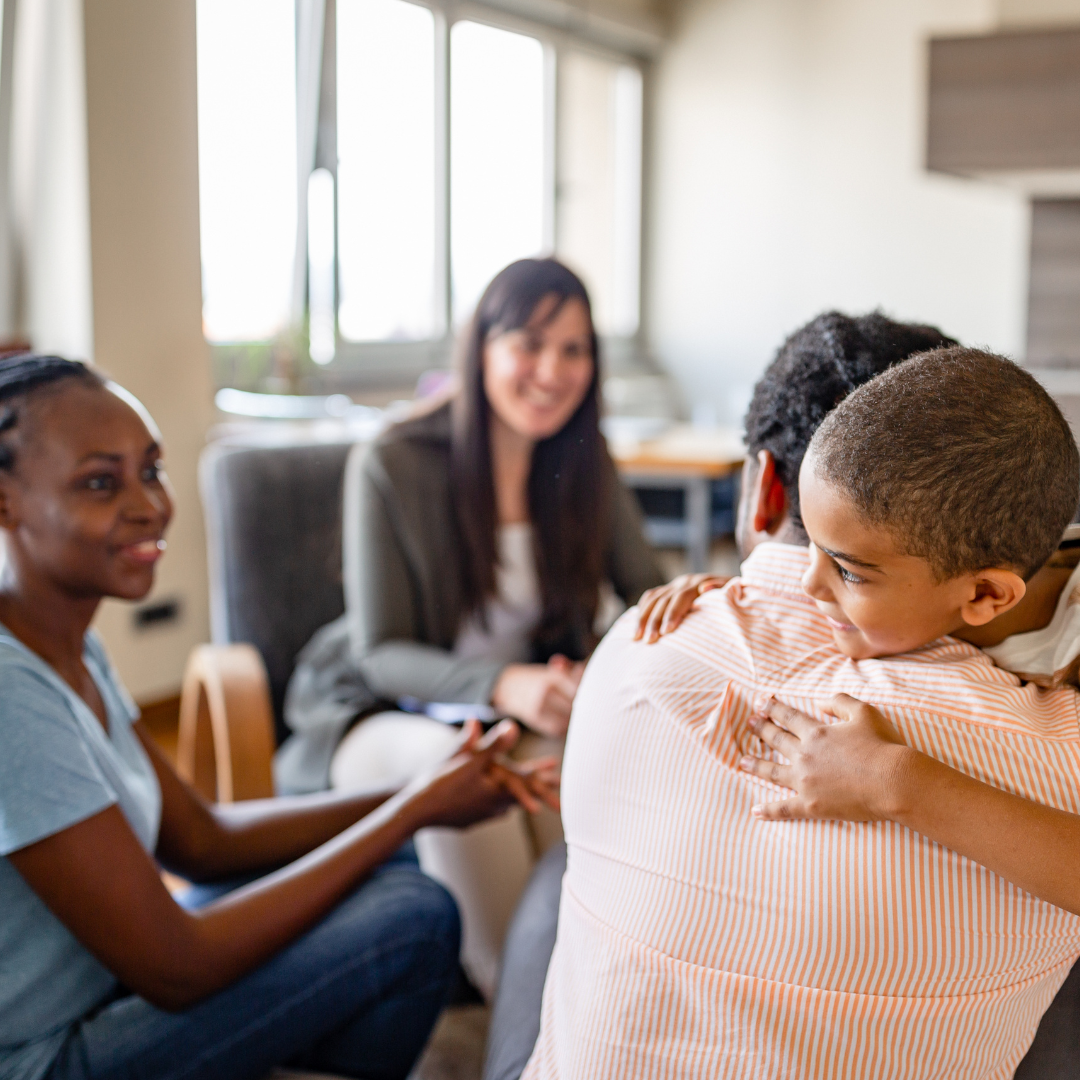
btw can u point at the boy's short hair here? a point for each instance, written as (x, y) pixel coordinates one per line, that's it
(962, 455)
(813, 371)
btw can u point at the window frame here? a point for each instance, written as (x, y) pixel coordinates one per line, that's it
(384, 363)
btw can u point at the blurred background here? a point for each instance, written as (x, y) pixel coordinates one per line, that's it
(302, 199)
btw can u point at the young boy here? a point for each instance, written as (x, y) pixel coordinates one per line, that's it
(695, 941)
(931, 496)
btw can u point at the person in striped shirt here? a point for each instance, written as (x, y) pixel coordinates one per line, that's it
(815, 368)
(696, 941)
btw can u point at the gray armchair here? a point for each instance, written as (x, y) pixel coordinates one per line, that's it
(273, 528)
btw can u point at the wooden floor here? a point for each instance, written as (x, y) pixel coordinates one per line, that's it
(456, 1049)
(162, 719)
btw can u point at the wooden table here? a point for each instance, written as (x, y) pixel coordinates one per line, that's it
(688, 458)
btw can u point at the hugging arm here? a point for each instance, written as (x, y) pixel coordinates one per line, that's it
(660, 610)
(860, 770)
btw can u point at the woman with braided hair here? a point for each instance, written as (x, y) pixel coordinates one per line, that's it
(338, 958)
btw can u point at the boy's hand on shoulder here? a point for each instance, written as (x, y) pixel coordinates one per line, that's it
(848, 771)
(662, 609)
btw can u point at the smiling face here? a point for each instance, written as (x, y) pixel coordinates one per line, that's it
(878, 600)
(86, 506)
(536, 377)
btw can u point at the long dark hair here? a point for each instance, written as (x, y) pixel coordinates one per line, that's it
(570, 482)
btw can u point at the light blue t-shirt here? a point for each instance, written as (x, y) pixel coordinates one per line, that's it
(58, 767)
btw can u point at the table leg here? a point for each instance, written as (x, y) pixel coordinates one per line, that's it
(698, 523)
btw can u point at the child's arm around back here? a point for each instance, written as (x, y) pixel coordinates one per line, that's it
(860, 770)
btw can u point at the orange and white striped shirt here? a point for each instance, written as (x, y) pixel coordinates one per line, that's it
(695, 941)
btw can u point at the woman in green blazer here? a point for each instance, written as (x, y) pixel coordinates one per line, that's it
(484, 542)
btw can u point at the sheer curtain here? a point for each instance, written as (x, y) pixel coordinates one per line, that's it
(44, 188)
(310, 18)
(45, 250)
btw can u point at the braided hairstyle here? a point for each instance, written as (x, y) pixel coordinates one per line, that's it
(815, 369)
(25, 374)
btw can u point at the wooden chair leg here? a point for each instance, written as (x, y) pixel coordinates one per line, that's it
(226, 740)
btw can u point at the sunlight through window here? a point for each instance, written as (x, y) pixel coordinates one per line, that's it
(321, 266)
(247, 165)
(496, 157)
(599, 185)
(442, 150)
(386, 170)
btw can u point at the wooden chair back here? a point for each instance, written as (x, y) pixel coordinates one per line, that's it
(226, 739)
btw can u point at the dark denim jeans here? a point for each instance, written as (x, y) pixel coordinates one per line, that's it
(357, 995)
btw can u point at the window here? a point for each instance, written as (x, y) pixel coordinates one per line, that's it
(496, 155)
(445, 143)
(386, 171)
(599, 184)
(247, 165)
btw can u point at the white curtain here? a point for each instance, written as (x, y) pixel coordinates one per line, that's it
(50, 202)
(8, 309)
(310, 19)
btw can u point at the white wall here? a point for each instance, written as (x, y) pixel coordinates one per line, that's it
(1038, 13)
(147, 290)
(787, 178)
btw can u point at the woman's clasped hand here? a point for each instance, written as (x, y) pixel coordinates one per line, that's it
(478, 780)
(540, 695)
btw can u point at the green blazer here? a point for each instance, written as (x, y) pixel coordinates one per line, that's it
(403, 595)
(402, 591)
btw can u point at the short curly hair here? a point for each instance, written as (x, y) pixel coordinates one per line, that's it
(961, 455)
(815, 369)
